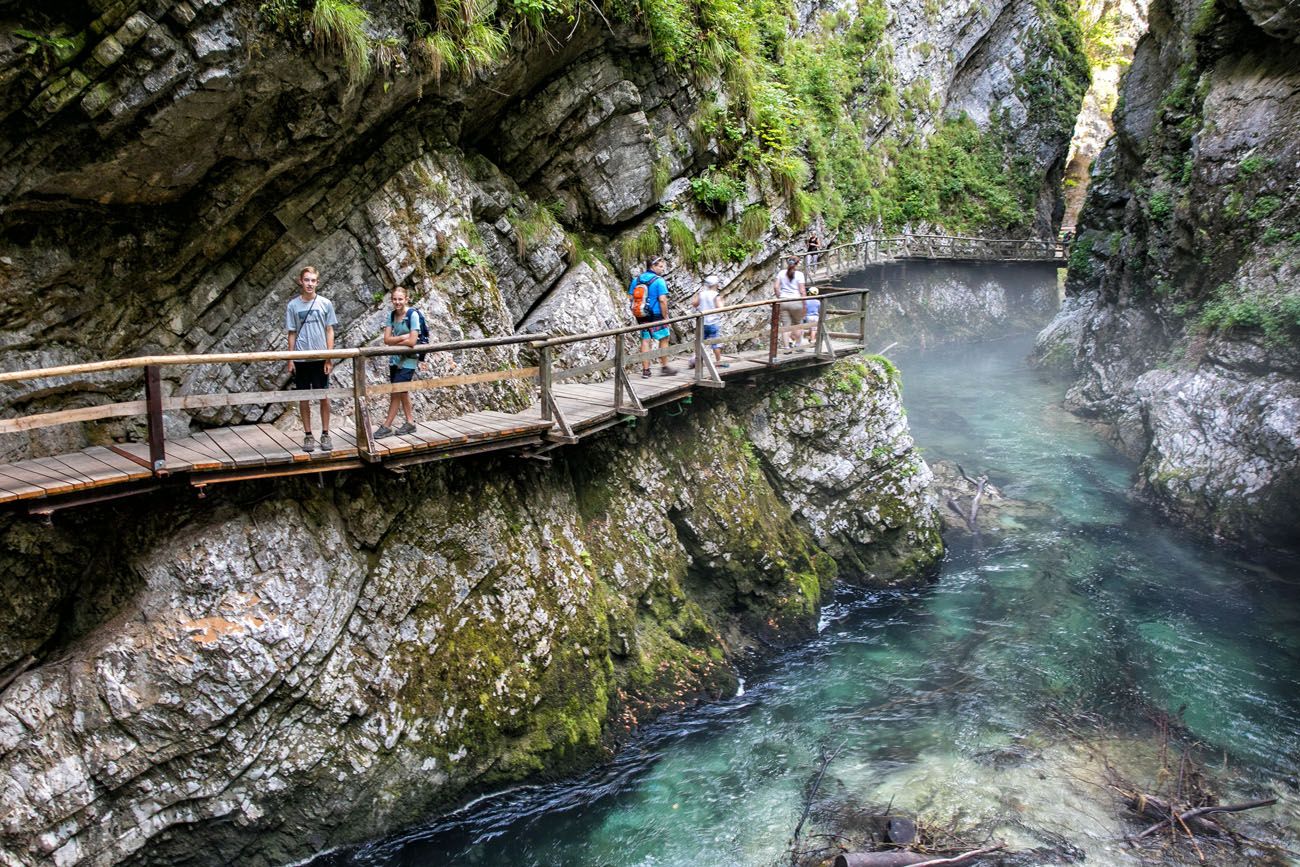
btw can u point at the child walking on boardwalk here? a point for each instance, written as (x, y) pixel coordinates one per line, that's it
(403, 329)
(705, 300)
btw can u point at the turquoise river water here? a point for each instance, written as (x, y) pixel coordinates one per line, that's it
(985, 700)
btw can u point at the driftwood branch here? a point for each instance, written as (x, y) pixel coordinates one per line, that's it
(827, 758)
(910, 859)
(960, 859)
(1191, 815)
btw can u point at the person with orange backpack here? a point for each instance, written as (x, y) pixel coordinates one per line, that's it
(649, 296)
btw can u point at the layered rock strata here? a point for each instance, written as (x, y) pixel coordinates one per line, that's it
(298, 666)
(1182, 317)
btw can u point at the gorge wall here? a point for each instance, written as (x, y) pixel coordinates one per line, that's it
(1182, 316)
(167, 167)
(298, 666)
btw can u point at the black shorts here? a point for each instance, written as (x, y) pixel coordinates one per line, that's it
(308, 375)
(400, 374)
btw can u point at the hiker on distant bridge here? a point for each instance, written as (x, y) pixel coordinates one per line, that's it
(791, 287)
(649, 294)
(814, 248)
(406, 327)
(310, 321)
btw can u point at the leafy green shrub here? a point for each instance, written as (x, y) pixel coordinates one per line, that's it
(1232, 308)
(1263, 207)
(1080, 263)
(467, 257)
(714, 191)
(1160, 206)
(725, 244)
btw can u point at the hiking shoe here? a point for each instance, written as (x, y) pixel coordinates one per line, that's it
(408, 428)
(645, 373)
(309, 443)
(382, 431)
(667, 371)
(326, 444)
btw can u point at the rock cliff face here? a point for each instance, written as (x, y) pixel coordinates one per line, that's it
(299, 666)
(166, 168)
(1183, 309)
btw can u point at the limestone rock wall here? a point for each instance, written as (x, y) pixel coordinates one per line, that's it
(1180, 322)
(164, 178)
(298, 666)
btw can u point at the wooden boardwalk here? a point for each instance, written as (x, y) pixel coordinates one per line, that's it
(241, 452)
(566, 409)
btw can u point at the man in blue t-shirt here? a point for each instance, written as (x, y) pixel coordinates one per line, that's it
(403, 329)
(655, 311)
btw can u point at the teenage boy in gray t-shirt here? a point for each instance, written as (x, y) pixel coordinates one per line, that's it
(310, 321)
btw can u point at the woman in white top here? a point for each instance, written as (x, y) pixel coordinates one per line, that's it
(790, 285)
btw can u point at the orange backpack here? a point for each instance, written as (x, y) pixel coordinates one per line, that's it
(639, 290)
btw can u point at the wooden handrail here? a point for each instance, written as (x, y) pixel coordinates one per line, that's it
(250, 357)
(672, 320)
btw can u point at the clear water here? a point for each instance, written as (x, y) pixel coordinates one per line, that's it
(944, 700)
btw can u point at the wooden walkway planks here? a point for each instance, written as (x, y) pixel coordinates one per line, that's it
(259, 450)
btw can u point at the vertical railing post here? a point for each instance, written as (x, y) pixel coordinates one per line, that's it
(361, 411)
(699, 347)
(862, 318)
(544, 375)
(154, 419)
(618, 372)
(776, 328)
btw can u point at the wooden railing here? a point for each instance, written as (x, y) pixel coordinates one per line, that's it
(544, 373)
(845, 258)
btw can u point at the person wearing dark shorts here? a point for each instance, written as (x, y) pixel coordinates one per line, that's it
(309, 318)
(403, 329)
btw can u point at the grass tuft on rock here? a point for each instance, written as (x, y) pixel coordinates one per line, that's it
(338, 25)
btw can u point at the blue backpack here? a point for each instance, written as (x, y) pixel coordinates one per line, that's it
(424, 329)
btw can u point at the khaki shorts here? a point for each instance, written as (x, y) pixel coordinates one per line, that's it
(792, 312)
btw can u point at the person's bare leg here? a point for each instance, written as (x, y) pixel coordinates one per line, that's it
(407, 409)
(663, 359)
(304, 412)
(325, 416)
(646, 343)
(392, 410)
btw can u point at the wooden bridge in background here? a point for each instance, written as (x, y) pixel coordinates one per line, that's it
(569, 403)
(843, 259)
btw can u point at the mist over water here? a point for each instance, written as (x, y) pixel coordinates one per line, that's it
(948, 701)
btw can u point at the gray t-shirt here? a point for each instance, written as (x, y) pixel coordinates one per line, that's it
(309, 319)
